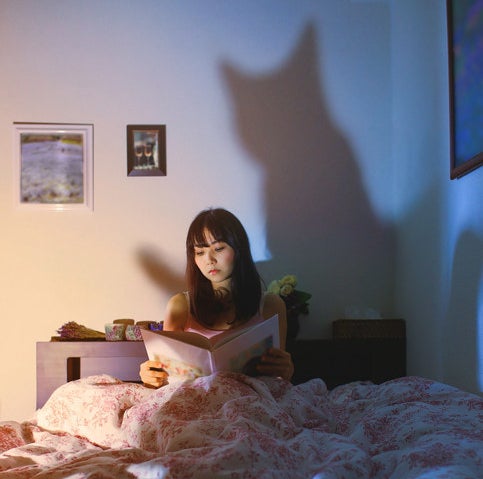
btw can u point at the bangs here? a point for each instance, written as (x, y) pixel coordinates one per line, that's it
(197, 234)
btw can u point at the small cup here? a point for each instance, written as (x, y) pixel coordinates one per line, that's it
(115, 331)
(133, 332)
(123, 321)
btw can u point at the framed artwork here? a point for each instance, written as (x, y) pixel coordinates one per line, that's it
(465, 53)
(146, 150)
(54, 166)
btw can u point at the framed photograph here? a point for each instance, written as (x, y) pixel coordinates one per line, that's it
(465, 53)
(53, 166)
(146, 150)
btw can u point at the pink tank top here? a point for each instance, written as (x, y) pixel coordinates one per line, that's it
(196, 327)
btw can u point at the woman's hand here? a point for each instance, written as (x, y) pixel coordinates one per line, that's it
(276, 362)
(154, 378)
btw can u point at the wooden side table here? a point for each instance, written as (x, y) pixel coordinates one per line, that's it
(61, 361)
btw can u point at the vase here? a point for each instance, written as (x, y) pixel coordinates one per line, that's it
(293, 325)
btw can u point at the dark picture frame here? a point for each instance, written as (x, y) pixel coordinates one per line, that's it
(146, 150)
(54, 166)
(465, 64)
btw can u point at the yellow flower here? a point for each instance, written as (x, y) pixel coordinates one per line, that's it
(289, 279)
(286, 289)
(274, 287)
(296, 302)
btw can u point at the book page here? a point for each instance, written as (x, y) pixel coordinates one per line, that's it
(197, 339)
(189, 337)
(251, 343)
(178, 358)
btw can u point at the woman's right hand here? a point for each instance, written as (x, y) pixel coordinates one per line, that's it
(153, 378)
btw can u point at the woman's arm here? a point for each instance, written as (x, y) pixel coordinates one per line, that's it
(175, 319)
(276, 362)
(273, 304)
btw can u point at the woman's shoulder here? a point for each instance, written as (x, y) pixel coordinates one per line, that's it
(273, 304)
(177, 312)
(180, 299)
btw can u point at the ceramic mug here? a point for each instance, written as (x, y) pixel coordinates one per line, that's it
(115, 331)
(133, 332)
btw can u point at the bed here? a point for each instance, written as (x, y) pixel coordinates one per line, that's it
(232, 426)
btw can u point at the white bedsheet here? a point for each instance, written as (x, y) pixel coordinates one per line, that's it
(232, 426)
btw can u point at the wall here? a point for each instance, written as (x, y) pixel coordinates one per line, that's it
(287, 113)
(262, 117)
(440, 222)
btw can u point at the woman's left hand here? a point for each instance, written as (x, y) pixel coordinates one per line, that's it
(276, 362)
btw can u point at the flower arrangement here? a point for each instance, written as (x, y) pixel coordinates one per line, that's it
(296, 301)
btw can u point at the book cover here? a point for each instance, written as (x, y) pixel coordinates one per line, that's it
(191, 355)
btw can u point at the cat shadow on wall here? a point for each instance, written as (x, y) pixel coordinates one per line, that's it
(320, 224)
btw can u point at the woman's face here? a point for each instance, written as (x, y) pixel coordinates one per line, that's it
(215, 259)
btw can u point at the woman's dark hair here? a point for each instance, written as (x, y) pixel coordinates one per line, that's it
(246, 288)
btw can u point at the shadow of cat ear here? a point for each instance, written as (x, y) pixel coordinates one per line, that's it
(159, 271)
(232, 77)
(306, 47)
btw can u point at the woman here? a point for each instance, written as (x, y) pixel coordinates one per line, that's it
(224, 292)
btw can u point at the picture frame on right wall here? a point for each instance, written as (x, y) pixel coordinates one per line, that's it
(465, 64)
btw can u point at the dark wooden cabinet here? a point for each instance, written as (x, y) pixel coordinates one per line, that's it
(339, 361)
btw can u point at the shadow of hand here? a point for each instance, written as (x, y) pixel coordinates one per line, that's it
(159, 271)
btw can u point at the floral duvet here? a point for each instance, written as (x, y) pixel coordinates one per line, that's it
(231, 426)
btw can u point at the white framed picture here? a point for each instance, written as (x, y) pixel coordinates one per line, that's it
(54, 166)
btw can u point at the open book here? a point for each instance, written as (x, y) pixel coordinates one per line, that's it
(189, 355)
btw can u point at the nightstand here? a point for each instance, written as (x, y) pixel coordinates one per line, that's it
(375, 353)
(59, 362)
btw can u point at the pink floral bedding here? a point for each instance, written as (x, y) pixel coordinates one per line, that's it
(231, 426)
